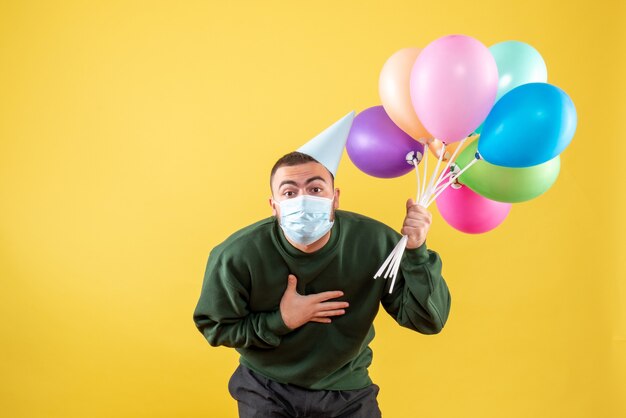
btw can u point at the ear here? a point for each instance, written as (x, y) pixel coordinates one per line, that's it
(271, 202)
(336, 200)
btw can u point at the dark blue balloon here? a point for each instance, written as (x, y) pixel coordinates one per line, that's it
(531, 124)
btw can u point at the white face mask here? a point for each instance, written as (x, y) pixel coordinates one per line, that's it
(305, 219)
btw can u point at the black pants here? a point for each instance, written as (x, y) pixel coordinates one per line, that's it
(258, 396)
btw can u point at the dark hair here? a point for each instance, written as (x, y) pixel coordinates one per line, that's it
(294, 158)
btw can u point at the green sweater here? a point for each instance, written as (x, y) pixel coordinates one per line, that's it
(246, 277)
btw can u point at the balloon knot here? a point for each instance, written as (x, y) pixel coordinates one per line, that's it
(414, 157)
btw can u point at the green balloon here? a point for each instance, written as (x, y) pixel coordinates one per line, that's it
(506, 184)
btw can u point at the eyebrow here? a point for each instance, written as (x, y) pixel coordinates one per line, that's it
(312, 179)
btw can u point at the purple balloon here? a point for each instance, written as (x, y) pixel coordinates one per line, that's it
(378, 147)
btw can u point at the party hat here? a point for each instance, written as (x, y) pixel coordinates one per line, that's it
(327, 147)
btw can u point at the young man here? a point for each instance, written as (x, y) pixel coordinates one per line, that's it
(294, 294)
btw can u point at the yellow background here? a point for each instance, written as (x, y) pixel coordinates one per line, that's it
(135, 136)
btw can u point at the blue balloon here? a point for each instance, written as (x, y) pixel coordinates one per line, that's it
(531, 124)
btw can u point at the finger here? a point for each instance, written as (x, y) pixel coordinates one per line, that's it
(416, 223)
(425, 213)
(413, 232)
(336, 312)
(321, 320)
(412, 244)
(321, 297)
(292, 282)
(410, 203)
(419, 210)
(327, 306)
(417, 229)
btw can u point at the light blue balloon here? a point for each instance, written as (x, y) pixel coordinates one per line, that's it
(518, 63)
(529, 125)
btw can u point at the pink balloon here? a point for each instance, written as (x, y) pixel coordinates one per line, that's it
(469, 212)
(454, 83)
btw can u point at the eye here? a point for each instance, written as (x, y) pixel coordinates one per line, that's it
(289, 193)
(316, 190)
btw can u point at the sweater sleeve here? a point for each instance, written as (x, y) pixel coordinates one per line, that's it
(420, 299)
(222, 314)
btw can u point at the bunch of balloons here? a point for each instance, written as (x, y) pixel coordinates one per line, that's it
(447, 93)
(491, 106)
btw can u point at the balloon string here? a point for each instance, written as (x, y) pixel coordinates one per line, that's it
(452, 180)
(451, 160)
(444, 178)
(382, 268)
(443, 181)
(430, 189)
(423, 190)
(442, 184)
(391, 265)
(417, 173)
(397, 254)
(456, 176)
(398, 259)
